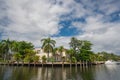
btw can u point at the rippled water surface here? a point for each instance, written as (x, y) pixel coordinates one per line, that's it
(99, 72)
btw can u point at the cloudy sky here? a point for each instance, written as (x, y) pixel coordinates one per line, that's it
(32, 20)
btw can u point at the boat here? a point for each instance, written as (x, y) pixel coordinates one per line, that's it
(110, 62)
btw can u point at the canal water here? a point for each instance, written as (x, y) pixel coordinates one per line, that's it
(96, 72)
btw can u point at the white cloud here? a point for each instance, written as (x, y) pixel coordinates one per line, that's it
(32, 20)
(29, 16)
(109, 6)
(104, 36)
(62, 41)
(97, 28)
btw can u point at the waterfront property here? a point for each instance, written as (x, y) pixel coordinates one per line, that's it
(56, 56)
(24, 52)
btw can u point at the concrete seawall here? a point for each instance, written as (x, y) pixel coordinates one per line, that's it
(50, 64)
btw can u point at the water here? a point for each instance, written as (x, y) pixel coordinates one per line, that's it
(99, 72)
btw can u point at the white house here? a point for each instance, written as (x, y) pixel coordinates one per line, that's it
(41, 53)
(57, 56)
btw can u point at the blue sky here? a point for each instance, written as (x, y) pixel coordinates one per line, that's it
(31, 20)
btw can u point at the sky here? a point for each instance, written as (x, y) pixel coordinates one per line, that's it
(32, 20)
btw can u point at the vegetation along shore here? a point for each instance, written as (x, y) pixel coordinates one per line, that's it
(24, 53)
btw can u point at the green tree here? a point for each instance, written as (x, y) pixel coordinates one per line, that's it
(54, 54)
(15, 46)
(73, 59)
(6, 46)
(24, 47)
(44, 59)
(29, 55)
(81, 49)
(86, 45)
(48, 45)
(70, 54)
(75, 44)
(2, 51)
(104, 56)
(17, 57)
(60, 50)
(36, 58)
(85, 53)
(11, 47)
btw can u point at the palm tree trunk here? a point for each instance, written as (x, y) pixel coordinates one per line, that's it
(62, 63)
(22, 63)
(4, 57)
(34, 64)
(61, 56)
(48, 57)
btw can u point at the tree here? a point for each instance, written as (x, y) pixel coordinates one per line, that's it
(15, 46)
(6, 45)
(75, 44)
(2, 51)
(61, 49)
(54, 54)
(44, 59)
(86, 45)
(81, 49)
(48, 45)
(24, 48)
(104, 56)
(85, 51)
(11, 47)
(36, 58)
(29, 55)
(73, 59)
(17, 57)
(70, 54)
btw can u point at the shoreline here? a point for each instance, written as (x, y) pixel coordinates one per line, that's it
(54, 64)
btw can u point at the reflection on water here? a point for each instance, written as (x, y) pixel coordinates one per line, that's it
(108, 72)
(111, 67)
(100, 72)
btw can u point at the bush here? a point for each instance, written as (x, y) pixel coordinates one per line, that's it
(74, 59)
(36, 58)
(51, 59)
(44, 59)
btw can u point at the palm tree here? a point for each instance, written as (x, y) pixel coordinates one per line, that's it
(61, 49)
(17, 57)
(70, 53)
(7, 47)
(48, 45)
(2, 50)
(55, 54)
(15, 46)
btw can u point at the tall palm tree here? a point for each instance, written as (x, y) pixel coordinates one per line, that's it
(7, 47)
(48, 45)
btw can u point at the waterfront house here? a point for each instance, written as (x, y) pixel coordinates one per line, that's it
(57, 56)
